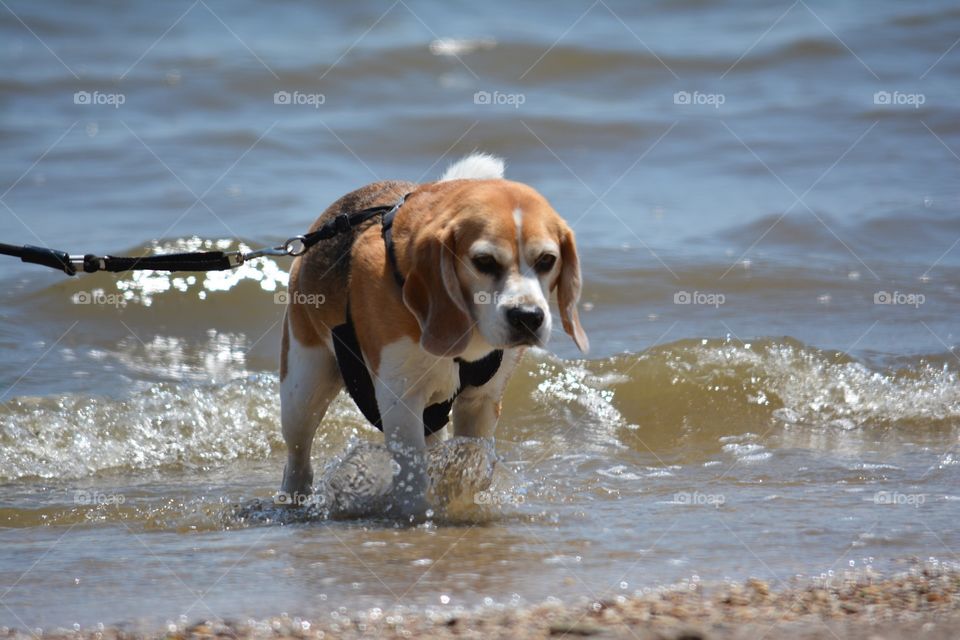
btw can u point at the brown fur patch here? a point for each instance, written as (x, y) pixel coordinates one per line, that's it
(323, 273)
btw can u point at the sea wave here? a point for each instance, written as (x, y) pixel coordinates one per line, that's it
(699, 390)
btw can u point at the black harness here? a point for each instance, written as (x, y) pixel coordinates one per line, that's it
(353, 369)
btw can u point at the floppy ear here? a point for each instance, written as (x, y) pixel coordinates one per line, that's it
(432, 293)
(568, 291)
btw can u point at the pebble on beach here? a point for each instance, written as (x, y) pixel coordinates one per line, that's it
(855, 604)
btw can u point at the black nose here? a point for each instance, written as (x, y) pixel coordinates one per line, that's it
(525, 318)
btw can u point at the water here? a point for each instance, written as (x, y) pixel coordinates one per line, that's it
(780, 424)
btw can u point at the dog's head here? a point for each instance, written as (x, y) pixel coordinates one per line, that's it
(485, 257)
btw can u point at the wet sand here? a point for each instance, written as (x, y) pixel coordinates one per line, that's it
(924, 601)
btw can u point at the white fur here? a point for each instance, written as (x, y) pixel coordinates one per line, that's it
(475, 412)
(408, 380)
(519, 289)
(311, 383)
(491, 299)
(476, 166)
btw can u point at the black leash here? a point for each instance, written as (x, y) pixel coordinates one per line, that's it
(196, 261)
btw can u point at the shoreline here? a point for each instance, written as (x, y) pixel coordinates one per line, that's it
(858, 604)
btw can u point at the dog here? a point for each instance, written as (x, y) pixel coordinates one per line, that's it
(458, 282)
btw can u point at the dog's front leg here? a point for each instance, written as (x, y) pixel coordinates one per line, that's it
(475, 414)
(402, 415)
(477, 409)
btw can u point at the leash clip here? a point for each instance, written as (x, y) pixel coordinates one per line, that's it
(295, 246)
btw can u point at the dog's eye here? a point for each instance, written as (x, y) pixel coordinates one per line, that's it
(485, 263)
(544, 263)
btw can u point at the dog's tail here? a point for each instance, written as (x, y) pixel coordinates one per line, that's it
(476, 166)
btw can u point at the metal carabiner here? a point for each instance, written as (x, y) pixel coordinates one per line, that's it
(261, 253)
(295, 246)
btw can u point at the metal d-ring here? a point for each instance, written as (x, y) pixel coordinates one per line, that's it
(296, 246)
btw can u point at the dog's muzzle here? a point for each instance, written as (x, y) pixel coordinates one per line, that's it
(525, 322)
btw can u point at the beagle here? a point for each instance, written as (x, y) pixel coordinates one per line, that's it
(437, 302)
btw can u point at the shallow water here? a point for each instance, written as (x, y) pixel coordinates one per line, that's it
(783, 423)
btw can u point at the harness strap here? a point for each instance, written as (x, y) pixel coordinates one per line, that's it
(386, 225)
(353, 368)
(347, 221)
(359, 383)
